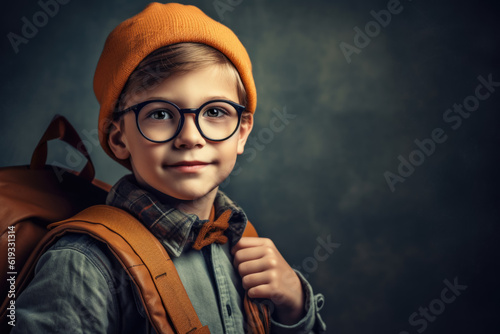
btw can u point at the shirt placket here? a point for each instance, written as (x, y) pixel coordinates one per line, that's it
(224, 293)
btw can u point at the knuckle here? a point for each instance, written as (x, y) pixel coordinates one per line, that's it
(274, 290)
(272, 263)
(243, 268)
(273, 276)
(258, 291)
(269, 251)
(245, 282)
(268, 242)
(237, 258)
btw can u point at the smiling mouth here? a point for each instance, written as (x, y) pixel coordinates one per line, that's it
(188, 166)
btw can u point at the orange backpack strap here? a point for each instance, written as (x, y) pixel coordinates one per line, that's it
(139, 252)
(250, 231)
(158, 282)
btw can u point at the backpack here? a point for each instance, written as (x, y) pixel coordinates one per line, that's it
(40, 203)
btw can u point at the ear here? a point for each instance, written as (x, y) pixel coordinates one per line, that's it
(246, 127)
(117, 141)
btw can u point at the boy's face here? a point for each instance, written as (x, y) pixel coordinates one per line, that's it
(189, 166)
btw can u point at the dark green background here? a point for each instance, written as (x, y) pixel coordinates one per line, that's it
(323, 175)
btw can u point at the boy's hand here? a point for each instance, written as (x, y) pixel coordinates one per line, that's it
(266, 274)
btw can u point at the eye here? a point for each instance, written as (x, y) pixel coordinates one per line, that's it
(160, 114)
(215, 112)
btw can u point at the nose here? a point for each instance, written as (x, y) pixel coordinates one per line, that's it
(189, 136)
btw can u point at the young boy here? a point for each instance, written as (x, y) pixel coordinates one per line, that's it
(177, 100)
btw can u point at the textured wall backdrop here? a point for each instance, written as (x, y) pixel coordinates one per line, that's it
(373, 164)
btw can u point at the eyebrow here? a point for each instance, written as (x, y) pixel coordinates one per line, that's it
(217, 98)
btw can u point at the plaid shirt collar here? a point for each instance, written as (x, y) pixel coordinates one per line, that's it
(175, 229)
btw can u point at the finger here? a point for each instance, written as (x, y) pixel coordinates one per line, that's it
(253, 280)
(261, 291)
(249, 254)
(256, 266)
(247, 242)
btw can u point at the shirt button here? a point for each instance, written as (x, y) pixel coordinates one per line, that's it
(229, 311)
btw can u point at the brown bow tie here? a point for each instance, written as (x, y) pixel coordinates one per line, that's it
(213, 231)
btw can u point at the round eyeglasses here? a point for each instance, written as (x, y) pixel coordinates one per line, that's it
(160, 121)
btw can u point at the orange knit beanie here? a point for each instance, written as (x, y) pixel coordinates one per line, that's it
(159, 25)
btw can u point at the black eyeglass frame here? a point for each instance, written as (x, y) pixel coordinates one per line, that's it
(138, 107)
